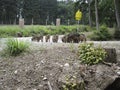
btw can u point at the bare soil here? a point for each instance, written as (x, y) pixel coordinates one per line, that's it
(41, 67)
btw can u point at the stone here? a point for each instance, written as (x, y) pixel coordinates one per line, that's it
(45, 78)
(21, 23)
(58, 22)
(118, 73)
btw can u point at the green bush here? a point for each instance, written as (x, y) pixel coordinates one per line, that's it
(8, 31)
(15, 47)
(90, 55)
(102, 34)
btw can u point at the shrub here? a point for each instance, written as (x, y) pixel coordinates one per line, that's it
(90, 55)
(102, 34)
(15, 47)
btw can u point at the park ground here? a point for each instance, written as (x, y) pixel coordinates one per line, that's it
(44, 61)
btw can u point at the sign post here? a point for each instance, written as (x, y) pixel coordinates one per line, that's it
(78, 17)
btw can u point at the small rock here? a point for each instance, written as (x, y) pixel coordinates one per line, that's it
(118, 73)
(66, 65)
(34, 89)
(61, 66)
(19, 88)
(16, 72)
(45, 78)
(37, 65)
(51, 74)
(40, 85)
(42, 62)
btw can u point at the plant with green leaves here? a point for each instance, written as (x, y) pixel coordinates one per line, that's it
(15, 47)
(73, 86)
(90, 55)
(102, 34)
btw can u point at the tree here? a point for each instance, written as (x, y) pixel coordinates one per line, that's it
(117, 10)
(8, 11)
(89, 10)
(31, 11)
(65, 11)
(96, 14)
(48, 9)
(106, 13)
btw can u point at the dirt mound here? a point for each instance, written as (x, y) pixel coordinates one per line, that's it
(53, 68)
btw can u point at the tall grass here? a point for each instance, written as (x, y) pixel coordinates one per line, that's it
(15, 47)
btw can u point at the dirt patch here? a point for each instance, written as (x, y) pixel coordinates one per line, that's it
(47, 67)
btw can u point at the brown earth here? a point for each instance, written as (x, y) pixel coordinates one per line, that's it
(46, 66)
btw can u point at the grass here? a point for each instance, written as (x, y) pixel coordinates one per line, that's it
(15, 47)
(29, 30)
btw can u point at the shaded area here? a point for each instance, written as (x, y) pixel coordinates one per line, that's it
(114, 86)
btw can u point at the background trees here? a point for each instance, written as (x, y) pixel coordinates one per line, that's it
(117, 9)
(8, 10)
(65, 11)
(46, 11)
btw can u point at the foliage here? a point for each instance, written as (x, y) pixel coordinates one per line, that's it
(107, 8)
(42, 11)
(117, 12)
(36, 11)
(10, 31)
(65, 11)
(73, 85)
(8, 11)
(15, 47)
(106, 11)
(90, 55)
(102, 34)
(117, 33)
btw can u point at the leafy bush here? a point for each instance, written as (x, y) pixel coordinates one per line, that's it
(102, 34)
(90, 55)
(8, 31)
(15, 47)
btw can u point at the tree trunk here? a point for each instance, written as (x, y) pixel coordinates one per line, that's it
(117, 11)
(90, 17)
(96, 14)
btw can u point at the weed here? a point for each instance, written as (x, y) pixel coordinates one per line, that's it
(15, 47)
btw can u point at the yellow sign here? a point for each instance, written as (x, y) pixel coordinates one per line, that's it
(78, 15)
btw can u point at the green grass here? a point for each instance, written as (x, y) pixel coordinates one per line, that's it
(15, 47)
(29, 30)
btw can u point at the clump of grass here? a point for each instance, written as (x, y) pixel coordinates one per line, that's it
(15, 47)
